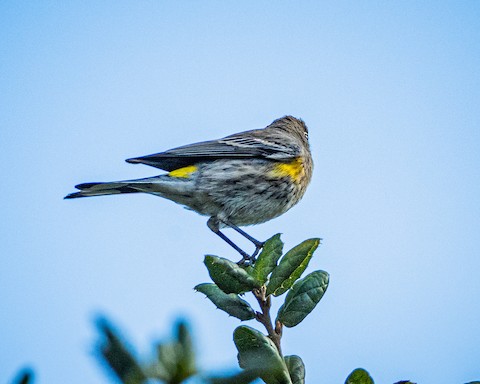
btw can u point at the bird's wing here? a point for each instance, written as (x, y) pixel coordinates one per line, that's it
(249, 144)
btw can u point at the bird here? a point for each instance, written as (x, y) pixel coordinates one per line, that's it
(243, 179)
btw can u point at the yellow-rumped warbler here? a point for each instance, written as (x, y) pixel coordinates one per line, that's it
(243, 179)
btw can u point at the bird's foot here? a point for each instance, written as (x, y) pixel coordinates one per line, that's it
(249, 260)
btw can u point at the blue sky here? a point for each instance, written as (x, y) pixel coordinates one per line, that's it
(390, 92)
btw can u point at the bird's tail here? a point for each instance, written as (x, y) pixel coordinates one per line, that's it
(110, 188)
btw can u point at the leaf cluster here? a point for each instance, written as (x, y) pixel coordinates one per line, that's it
(273, 274)
(232, 280)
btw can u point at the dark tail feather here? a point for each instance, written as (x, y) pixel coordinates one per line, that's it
(101, 189)
(74, 195)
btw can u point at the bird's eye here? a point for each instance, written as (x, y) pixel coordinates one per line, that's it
(306, 134)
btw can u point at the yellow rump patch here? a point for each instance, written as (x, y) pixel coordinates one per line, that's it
(294, 170)
(184, 172)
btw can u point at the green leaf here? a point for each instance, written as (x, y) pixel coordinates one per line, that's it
(291, 267)
(359, 376)
(258, 353)
(302, 298)
(228, 276)
(227, 302)
(296, 369)
(267, 261)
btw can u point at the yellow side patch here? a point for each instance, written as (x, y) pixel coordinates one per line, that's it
(184, 172)
(294, 170)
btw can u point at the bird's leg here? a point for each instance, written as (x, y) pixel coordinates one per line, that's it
(212, 223)
(258, 244)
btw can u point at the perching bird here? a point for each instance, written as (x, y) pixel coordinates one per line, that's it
(243, 179)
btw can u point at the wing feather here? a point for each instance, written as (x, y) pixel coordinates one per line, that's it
(259, 143)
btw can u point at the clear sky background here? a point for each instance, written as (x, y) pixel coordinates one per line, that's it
(391, 94)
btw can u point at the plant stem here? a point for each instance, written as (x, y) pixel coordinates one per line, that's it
(275, 334)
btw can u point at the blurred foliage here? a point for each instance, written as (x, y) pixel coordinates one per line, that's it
(173, 363)
(24, 376)
(118, 357)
